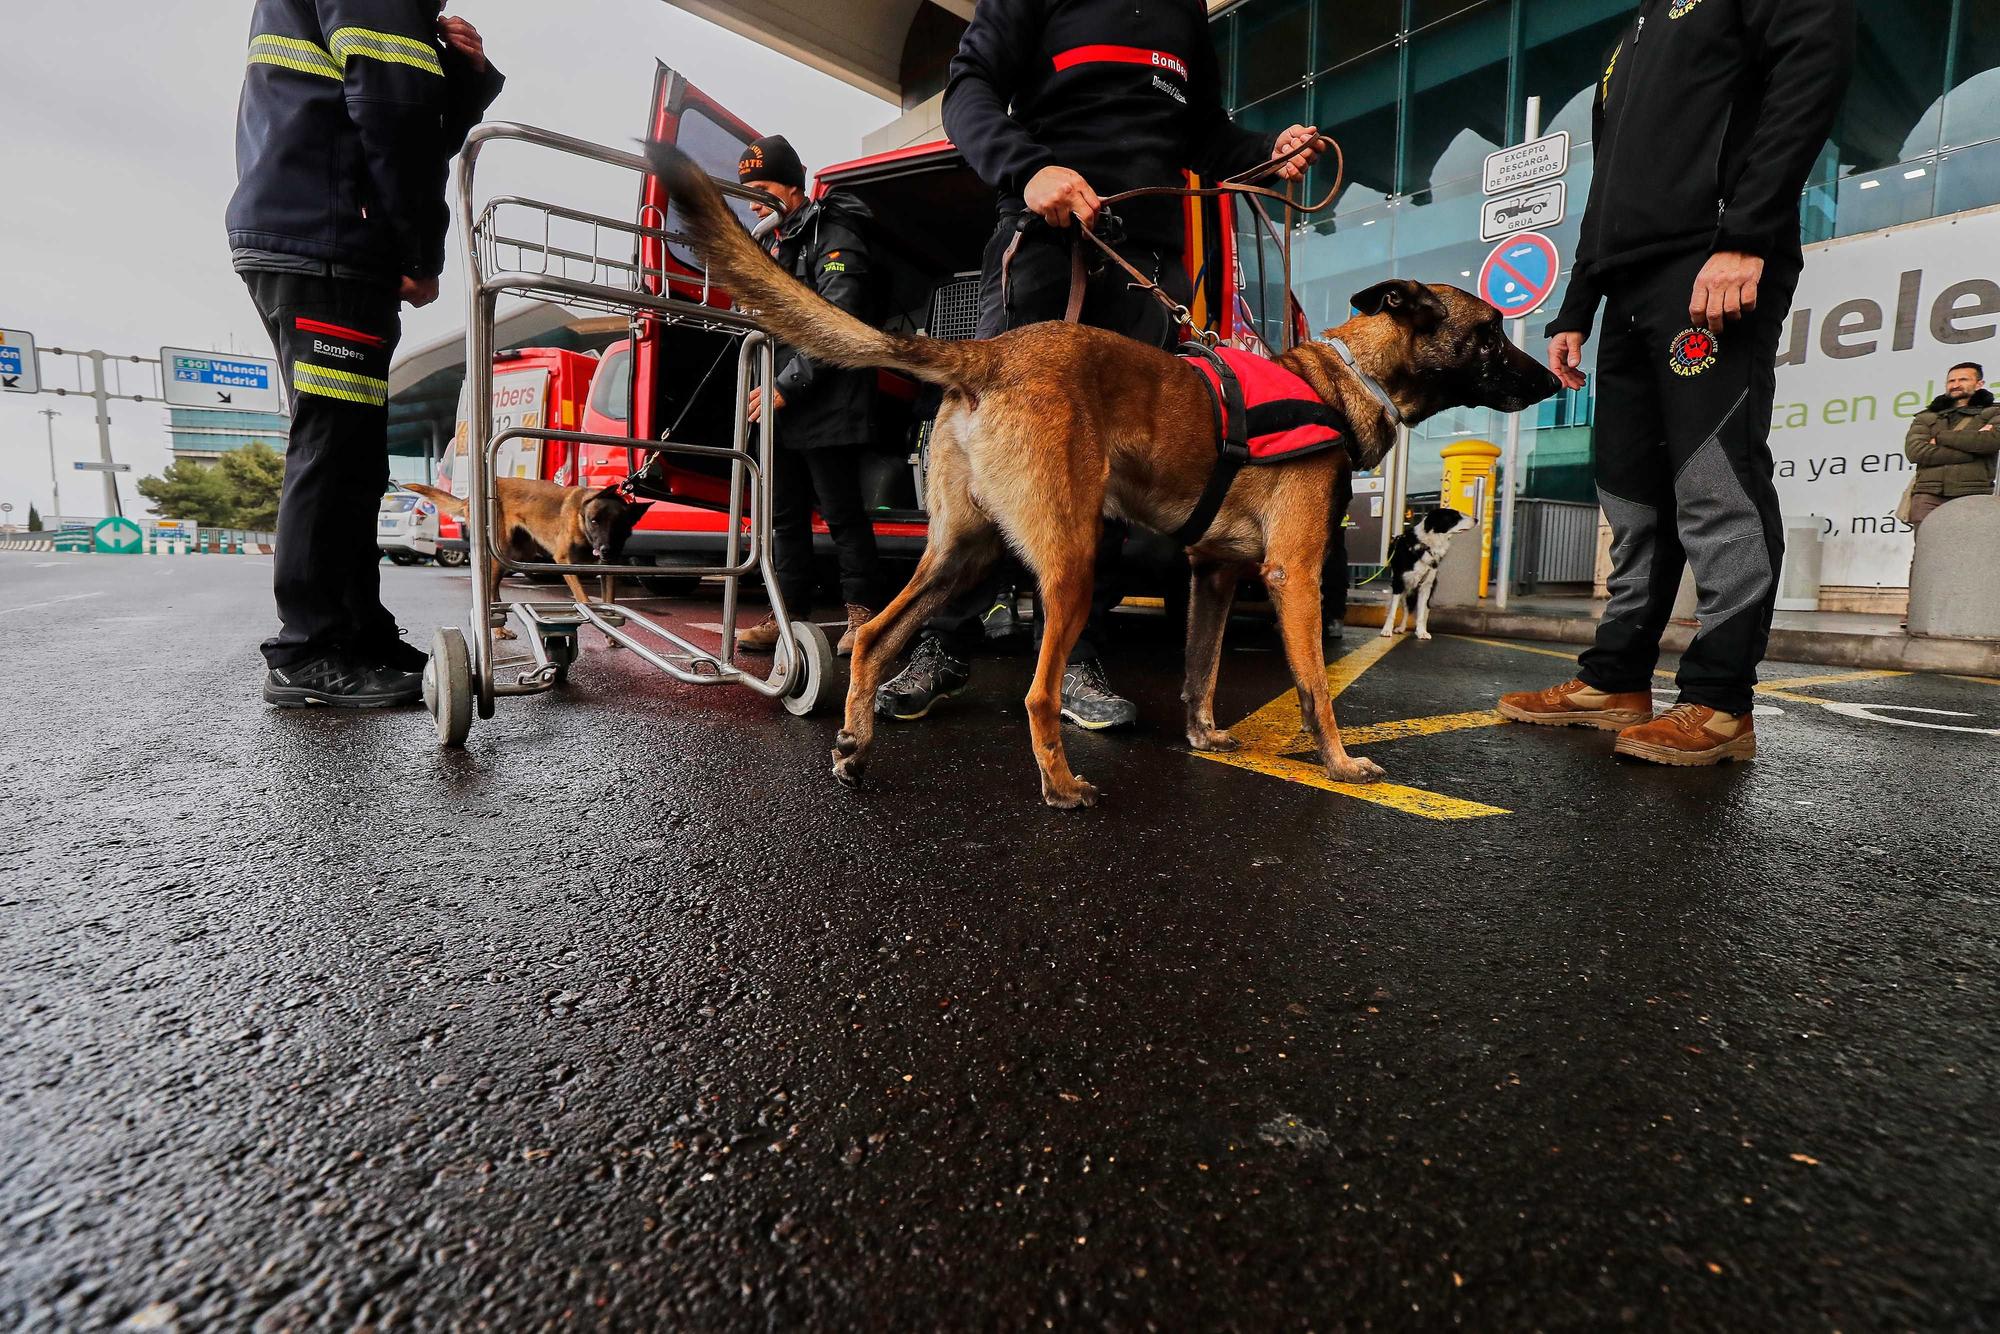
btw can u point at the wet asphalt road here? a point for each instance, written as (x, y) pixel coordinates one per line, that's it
(626, 1017)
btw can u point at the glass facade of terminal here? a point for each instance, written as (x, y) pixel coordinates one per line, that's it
(207, 433)
(1418, 92)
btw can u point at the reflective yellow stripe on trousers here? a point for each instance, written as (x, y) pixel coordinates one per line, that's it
(332, 382)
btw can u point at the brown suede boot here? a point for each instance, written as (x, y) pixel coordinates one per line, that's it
(759, 638)
(857, 616)
(1690, 735)
(1574, 704)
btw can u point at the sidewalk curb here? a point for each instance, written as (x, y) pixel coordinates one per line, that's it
(1821, 648)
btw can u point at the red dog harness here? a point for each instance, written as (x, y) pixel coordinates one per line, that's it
(1263, 415)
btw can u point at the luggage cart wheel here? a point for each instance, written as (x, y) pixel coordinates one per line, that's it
(448, 686)
(562, 654)
(817, 669)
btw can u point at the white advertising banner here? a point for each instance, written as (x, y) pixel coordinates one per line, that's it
(1877, 322)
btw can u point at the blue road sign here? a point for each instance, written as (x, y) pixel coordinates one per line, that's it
(223, 371)
(19, 373)
(195, 379)
(1520, 274)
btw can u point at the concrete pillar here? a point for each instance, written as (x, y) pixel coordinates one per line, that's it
(1953, 594)
(1458, 578)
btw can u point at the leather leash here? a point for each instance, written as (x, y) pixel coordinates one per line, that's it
(1243, 183)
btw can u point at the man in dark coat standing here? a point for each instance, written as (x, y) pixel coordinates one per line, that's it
(1055, 106)
(1709, 117)
(825, 416)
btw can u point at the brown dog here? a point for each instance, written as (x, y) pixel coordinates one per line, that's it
(1048, 428)
(540, 521)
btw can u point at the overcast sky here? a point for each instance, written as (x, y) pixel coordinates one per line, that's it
(118, 159)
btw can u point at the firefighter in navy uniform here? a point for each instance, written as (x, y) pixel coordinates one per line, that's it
(351, 113)
(826, 416)
(1709, 117)
(1056, 105)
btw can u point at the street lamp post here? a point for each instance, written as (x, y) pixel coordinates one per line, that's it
(55, 478)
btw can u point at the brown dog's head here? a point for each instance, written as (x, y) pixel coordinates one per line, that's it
(1434, 347)
(608, 519)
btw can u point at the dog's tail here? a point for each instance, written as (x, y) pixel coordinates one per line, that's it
(791, 310)
(444, 500)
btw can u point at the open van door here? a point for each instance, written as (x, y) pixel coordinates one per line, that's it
(679, 388)
(692, 121)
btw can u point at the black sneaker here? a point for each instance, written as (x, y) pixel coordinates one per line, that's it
(1002, 620)
(933, 675)
(341, 683)
(1089, 701)
(398, 655)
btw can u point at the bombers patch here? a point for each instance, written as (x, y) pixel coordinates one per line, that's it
(1693, 352)
(1680, 9)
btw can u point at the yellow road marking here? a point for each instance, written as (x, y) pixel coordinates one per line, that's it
(1278, 728)
(1376, 733)
(1409, 800)
(1275, 729)
(1775, 689)
(1831, 678)
(1976, 680)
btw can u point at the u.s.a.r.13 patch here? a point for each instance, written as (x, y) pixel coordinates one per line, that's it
(1693, 351)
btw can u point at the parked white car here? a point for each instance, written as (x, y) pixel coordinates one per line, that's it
(407, 530)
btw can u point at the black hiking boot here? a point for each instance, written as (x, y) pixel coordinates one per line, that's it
(933, 674)
(1089, 701)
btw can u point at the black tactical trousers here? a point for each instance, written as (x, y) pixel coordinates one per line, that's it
(334, 338)
(830, 475)
(1684, 473)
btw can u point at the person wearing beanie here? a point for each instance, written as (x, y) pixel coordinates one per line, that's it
(825, 416)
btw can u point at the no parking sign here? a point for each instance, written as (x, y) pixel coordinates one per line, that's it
(1520, 274)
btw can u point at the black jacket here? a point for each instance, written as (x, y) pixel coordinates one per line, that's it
(1123, 92)
(351, 112)
(825, 246)
(1708, 119)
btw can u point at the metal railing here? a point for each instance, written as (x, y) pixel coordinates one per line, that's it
(1557, 543)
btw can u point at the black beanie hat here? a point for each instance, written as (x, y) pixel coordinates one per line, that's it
(771, 159)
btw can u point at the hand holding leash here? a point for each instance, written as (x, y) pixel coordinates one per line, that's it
(1297, 148)
(1057, 194)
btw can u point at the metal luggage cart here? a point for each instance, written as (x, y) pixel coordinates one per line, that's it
(531, 248)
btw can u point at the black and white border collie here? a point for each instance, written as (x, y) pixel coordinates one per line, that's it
(1414, 558)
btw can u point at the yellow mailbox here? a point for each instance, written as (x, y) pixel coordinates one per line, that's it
(1468, 488)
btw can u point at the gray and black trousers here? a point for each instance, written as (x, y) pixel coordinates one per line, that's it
(1684, 473)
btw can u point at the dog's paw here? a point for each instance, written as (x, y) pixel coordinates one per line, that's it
(1424, 634)
(1356, 769)
(1080, 794)
(848, 771)
(1387, 633)
(502, 632)
(1214, 741)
